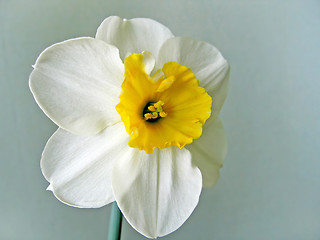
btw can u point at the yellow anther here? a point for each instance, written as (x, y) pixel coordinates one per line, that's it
(147, 116)
(158, 104)
(152, 108)
(154, 115)
(163, 114)
(156, 111)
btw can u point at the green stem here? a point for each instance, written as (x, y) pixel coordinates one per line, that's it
(115, 223)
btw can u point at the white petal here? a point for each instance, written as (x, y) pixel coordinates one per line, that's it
(134, 35)
(77, 84)
(79, 168)
(148, 61)
(205, 61)
(157, 192)
(209, 151)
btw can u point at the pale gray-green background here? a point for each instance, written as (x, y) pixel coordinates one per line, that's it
(270, 183)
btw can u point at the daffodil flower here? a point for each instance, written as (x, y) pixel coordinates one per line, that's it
(137, 110)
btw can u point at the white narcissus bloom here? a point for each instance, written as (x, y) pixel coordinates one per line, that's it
(137, 110)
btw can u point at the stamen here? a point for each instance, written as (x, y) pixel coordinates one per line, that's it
(154, 115)
(152, 108)
(163, 114)
(147, 116)
(158, 104)
(152, 112)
